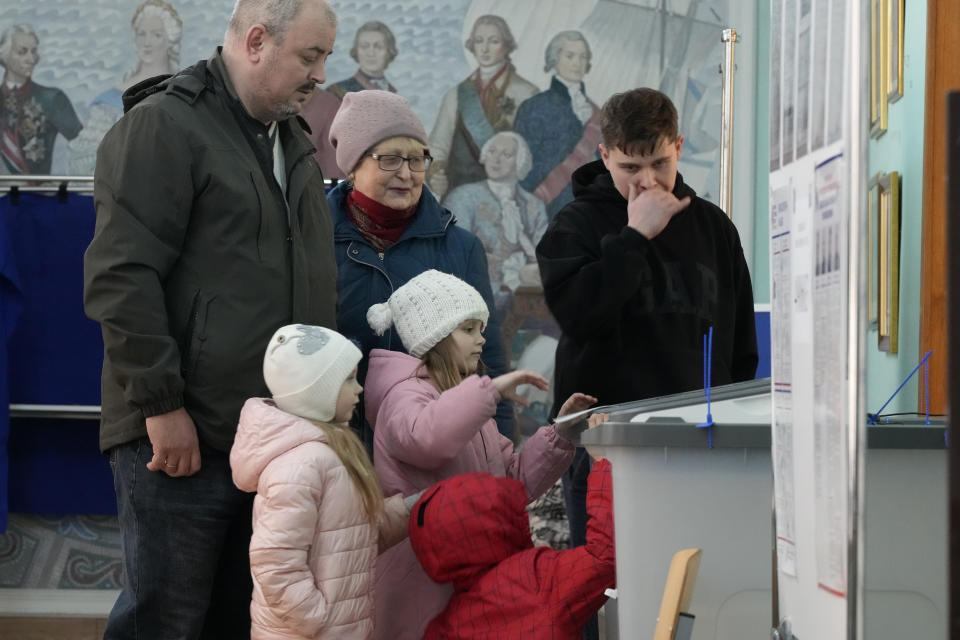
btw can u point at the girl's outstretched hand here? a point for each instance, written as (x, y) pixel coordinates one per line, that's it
(508, 382)
(576, 402)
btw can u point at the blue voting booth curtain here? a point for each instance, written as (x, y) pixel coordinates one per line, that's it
(10, 302)
(762, 319)
(53, 356)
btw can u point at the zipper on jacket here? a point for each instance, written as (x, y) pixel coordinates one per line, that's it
(380, 253)
(352, 253)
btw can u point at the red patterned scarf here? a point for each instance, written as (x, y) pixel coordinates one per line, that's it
(380, 224)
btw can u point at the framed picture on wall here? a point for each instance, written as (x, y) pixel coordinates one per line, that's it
(873, 271)
(878, 68)
(888, 262)
(894, 50)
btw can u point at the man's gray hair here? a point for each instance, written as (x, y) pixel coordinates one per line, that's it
(6, 38)
(553, 49)
(524, 157)
(275, 15)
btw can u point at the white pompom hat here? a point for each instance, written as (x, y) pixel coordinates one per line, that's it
(427, 309)
(304, 368)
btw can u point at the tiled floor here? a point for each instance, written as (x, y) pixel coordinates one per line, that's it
(60, 552)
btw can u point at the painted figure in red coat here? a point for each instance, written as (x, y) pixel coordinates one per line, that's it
(473, 529)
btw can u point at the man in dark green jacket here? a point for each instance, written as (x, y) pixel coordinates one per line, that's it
(212, 231)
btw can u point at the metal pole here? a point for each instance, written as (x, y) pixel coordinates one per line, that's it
(729, 38)
(77, 184)
(856, 57)
(65, 411)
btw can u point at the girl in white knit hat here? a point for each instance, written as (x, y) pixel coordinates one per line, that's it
(319, 517)
(432, 416)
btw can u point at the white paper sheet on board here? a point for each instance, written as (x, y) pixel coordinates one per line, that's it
(781, 308)
(829, 345)
(788, 97)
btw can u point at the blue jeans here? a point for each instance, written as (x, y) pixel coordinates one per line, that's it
(185, 550)
(575, 500)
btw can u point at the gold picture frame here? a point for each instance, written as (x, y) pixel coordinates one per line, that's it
(888, 262)
(878, 68)
(873, 244)
(894, 50)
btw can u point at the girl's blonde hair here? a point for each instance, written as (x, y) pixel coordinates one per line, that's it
(354, 457)
(442, 362)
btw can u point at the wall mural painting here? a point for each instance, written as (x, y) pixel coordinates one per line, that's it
(509, 92)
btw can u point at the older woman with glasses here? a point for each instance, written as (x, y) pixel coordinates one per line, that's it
(388, 228)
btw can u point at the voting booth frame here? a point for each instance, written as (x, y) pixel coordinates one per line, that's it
(953, 310)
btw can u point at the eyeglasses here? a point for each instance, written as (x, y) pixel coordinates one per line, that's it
(390, 162)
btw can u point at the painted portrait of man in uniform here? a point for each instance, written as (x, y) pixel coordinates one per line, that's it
(561, 125)
(374, 48)
(484, 103)
(31, 115)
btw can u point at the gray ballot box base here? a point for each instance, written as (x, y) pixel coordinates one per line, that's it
(672, 491)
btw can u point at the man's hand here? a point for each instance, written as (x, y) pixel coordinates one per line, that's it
(176, 450)
(651, 210)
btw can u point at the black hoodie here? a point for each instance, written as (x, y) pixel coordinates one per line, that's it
(634, 312)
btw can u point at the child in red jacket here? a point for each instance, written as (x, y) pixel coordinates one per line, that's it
(473, 529)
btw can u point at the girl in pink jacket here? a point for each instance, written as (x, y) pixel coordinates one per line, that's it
(319, 517)
(432, 416)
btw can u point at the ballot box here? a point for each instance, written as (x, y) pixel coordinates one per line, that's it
(677, 485)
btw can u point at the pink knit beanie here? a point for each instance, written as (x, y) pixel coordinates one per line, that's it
(368, 117)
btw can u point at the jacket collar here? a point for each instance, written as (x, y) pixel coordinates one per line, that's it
(430, 220)
(294, 146)
(557, 86)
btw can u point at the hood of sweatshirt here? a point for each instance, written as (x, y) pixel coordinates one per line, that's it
(463, 526)
(593, 182)
(265, 432)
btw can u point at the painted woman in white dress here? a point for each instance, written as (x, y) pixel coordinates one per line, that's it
(156, 34)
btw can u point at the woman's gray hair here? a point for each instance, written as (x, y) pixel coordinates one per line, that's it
(6, 38)
(496, 21)
(375, 26)
(275, 15)
(553, 49)
(524, 157)
(172, 24)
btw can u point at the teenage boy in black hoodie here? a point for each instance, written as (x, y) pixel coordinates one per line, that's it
(636, 270)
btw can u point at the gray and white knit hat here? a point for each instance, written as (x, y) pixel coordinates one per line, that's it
(427, 309)
(304, 368)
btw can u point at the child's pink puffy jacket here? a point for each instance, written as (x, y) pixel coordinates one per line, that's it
(313, 549)
(421, 437)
